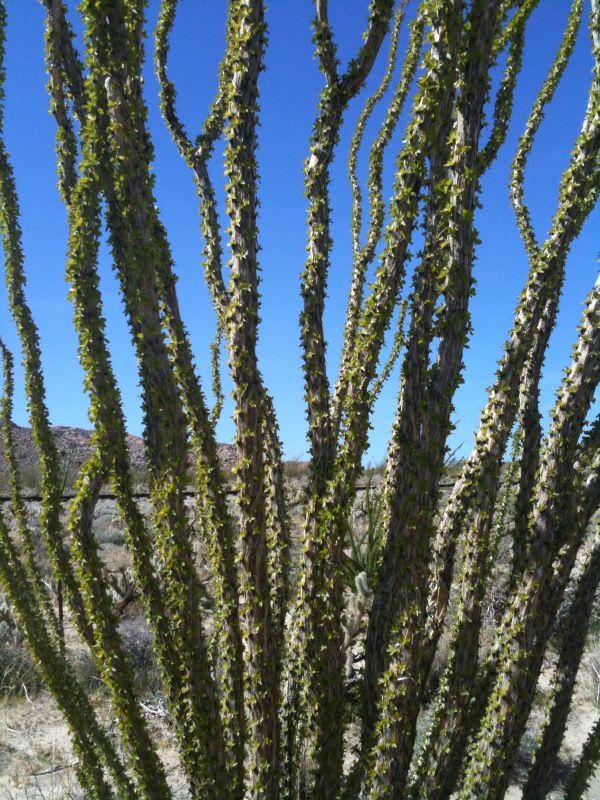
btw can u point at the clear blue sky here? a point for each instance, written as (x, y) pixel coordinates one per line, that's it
(289, 91)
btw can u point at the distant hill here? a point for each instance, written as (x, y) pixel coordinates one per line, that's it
(74, 447)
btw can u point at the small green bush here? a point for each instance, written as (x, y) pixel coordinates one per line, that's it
(364, 546)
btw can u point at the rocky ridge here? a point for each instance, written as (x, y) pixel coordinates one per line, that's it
(75, 447)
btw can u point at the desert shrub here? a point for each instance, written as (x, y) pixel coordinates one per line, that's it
(365, 538)
(595, 617)
(30, 478)
(110, 536)
(18, 673)
(137, 640)
(86, 670)
(295, 468)
(256, 681)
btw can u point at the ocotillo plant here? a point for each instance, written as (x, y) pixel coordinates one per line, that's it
(256, 696)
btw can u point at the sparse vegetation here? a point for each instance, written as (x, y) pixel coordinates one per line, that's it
(18, 673)
(295, 468)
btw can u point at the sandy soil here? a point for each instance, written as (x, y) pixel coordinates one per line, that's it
(36, 760)
(35, 754)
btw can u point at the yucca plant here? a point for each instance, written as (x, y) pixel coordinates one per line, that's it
(257, 693)
(365, 539)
